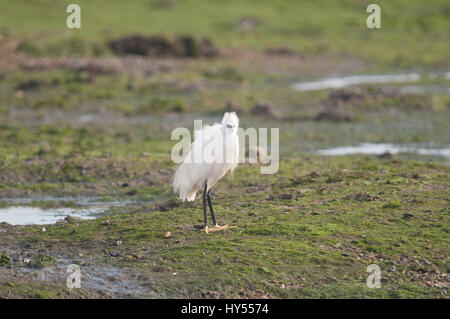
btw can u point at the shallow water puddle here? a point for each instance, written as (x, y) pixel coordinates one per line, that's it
(423, 89)
(112, 281)
(340, 82)
(378, 149)
(27, 215)
(23, 212)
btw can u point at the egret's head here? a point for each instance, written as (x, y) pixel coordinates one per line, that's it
(230, 121)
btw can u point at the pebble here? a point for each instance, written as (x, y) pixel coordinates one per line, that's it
(137, 256)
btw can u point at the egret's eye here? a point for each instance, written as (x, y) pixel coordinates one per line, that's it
(229, 126)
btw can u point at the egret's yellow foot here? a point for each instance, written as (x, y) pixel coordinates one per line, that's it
(218, 227)
(207, 230)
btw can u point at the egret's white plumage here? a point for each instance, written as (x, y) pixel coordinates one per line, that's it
(214, 152)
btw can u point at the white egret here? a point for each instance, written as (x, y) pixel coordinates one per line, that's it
(214, 152)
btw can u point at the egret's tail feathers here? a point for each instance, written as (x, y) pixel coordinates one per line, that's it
(191, 196)
(182, 184)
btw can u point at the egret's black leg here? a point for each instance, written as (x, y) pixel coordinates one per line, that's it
(204, 203)
(211, 208)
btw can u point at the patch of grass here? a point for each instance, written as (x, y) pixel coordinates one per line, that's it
(394, 204)
(227, 73)
(4, 259)
(412, 32)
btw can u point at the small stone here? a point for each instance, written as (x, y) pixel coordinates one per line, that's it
(71, 219)
(392, 268)
(131, 192)
(168, 234)
(44, 229)
(44, 149)
(283, 286)
(142, 278)
(114, 254)
(106, 222)
(19, 94)
(220, 261)
(136, 256)
(265, 110)
(118, 243)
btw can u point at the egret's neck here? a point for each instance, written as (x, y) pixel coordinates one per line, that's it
(230, 132)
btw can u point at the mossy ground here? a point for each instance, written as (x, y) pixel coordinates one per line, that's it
(309, 230)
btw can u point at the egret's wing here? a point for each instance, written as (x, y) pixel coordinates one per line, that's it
(207, 132)
(207, 142)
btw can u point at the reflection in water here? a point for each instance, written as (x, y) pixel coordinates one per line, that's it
(424, 89)
(377, 149)
(22, 211)
(340, 82)
(27, 215)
